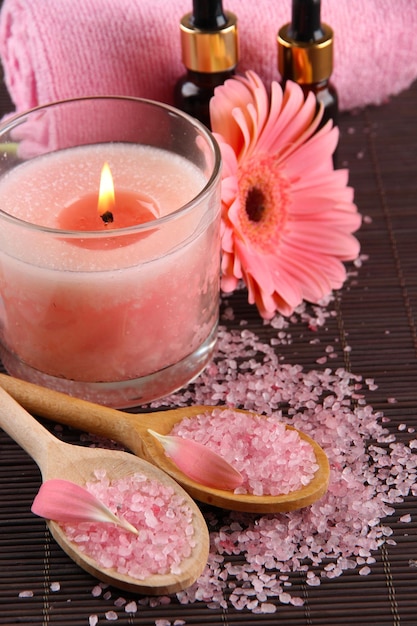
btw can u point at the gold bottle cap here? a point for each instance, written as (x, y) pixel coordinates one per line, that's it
(305, 62)
(209, 51)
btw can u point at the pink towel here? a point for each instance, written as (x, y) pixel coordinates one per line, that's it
(52, 50)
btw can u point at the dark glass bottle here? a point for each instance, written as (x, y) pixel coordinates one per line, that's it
(210, 52)
(305, 55)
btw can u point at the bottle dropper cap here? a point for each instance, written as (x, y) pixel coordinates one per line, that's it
(209, 38)
(305, 46)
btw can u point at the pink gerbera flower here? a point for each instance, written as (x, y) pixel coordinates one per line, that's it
(287, 214)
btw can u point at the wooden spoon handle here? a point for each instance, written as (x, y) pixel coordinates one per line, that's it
(25, 430)
(65, 409)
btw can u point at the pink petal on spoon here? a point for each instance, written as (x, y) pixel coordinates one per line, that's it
(65, 501)
(199, 462)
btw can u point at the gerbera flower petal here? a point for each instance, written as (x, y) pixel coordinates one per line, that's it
(309, 235)
(291, 125)
(317, 152)
(229, 162)
(288, 217)
(234, 94)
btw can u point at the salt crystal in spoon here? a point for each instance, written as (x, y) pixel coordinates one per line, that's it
(79, 464)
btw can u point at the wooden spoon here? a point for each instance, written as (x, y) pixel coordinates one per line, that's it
(131, 430)
(57, 459)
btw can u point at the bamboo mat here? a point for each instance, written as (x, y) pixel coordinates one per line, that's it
(376, 315)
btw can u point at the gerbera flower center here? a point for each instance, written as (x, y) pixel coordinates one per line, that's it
(264, 202)
(255, 204)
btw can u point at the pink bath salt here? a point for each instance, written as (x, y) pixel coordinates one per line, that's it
(272, 459)
(96, 591)
(338, 532)
(131, 607)
(162, 517)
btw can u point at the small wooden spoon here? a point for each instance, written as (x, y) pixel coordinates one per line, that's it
(131, 430)
(57, 459)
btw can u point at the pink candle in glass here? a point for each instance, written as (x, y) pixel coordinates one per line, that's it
(91, 306)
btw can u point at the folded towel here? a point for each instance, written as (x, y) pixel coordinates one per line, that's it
(53, 50)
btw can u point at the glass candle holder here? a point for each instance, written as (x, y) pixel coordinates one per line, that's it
(109, 289)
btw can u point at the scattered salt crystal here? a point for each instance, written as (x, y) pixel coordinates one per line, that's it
(367, 478)
(364, 571)
(131, 607)
(55, 587)
(405, 518)
(162, 622)
(120, 602)
(111, 616)
(26, 594)
(93, 620)
(228, 314)
(285, 598)
(96, 591)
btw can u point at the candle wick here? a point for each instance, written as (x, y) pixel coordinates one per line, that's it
(107, 217)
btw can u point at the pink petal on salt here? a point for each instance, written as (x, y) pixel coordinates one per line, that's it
(65, 501)
(199, 462)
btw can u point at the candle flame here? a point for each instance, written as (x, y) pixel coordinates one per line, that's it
(106, 200)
